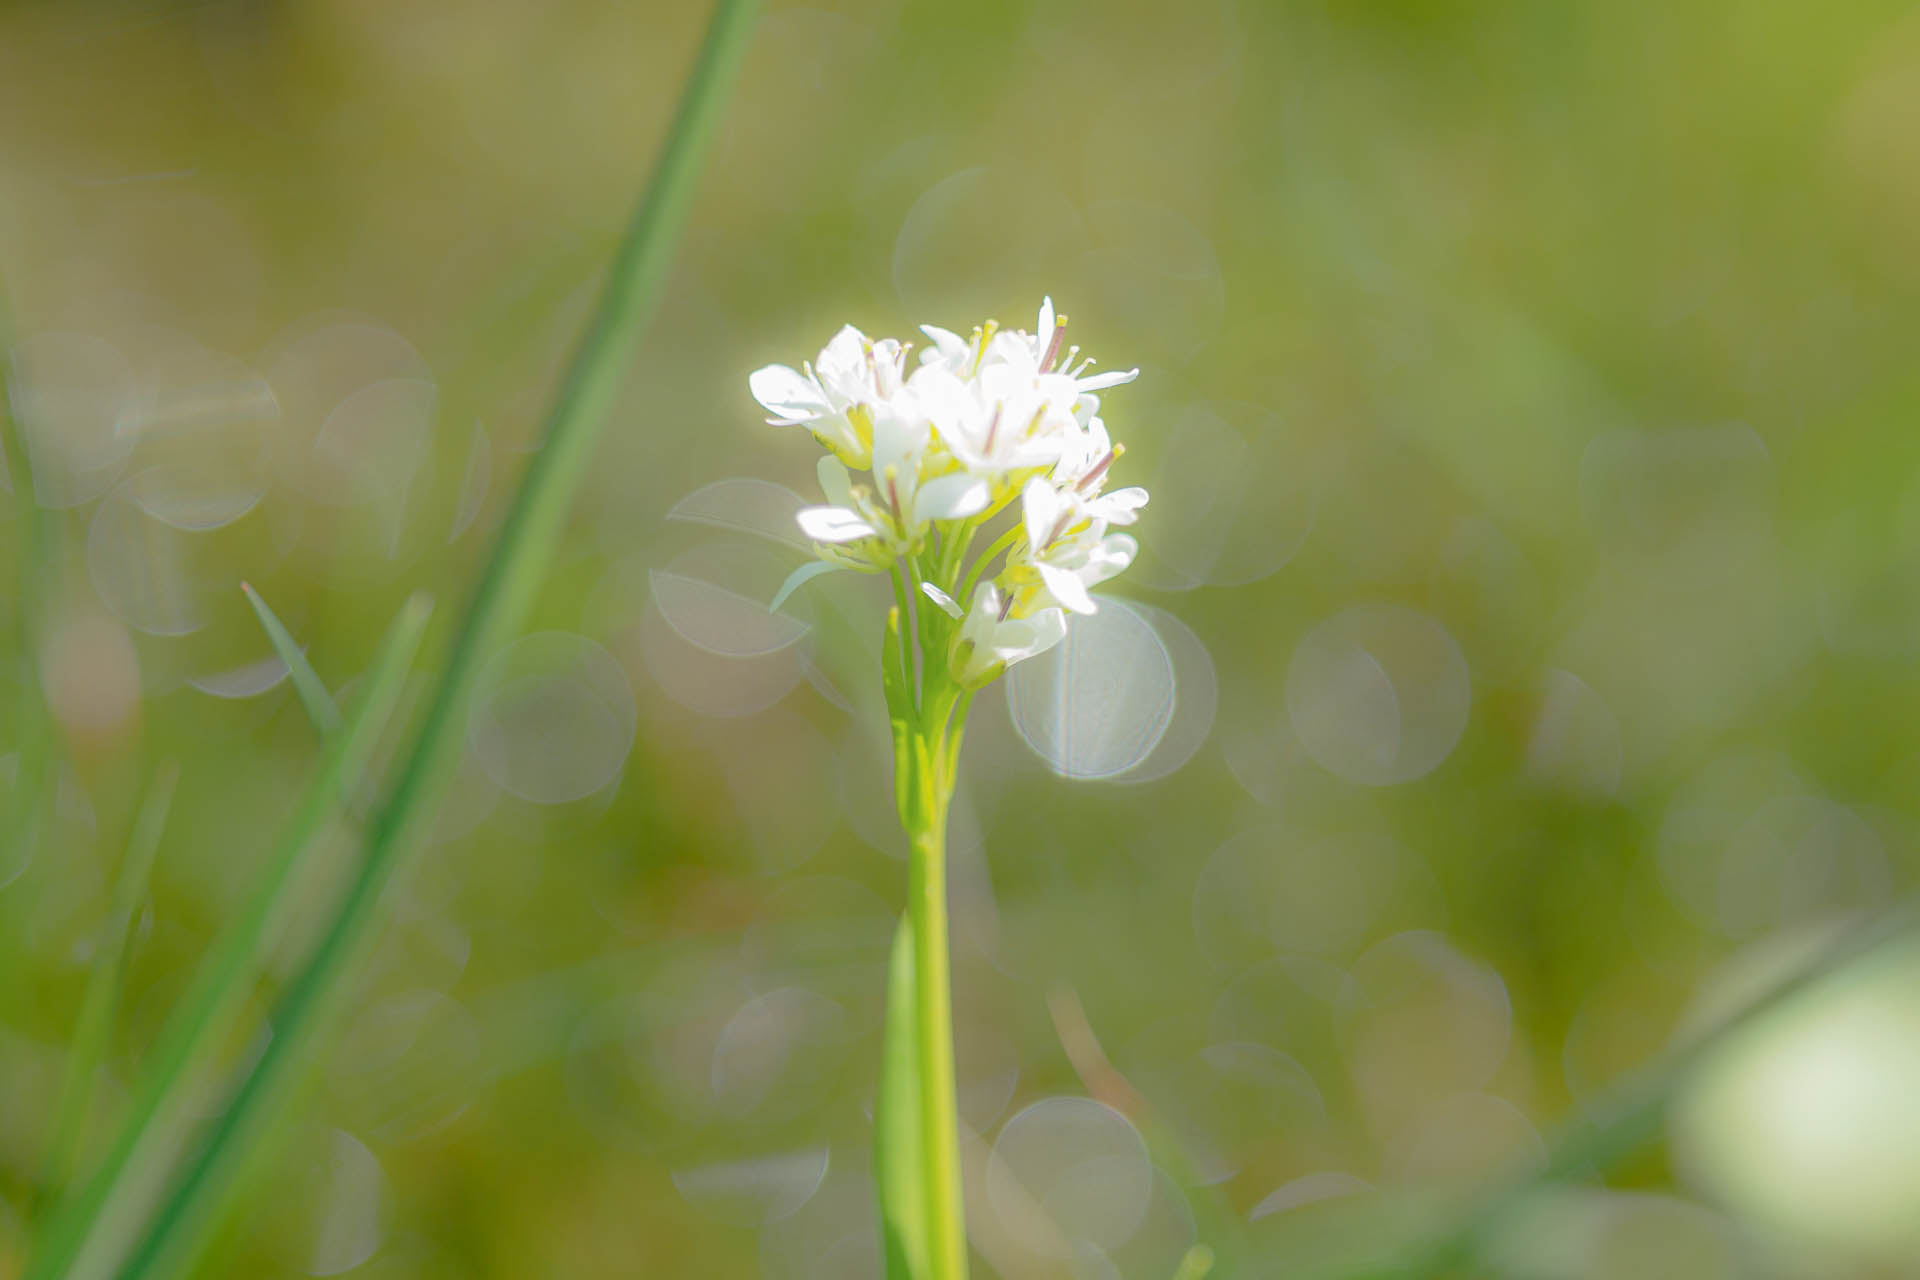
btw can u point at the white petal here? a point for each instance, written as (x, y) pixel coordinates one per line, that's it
(1118, 550)
(787, 392)
(833, 524)
(842, 367)
(1013, 348)
(1030, 637)
(941, 394)
(847, 348)
(899, 436)
(952, 497)
(1040, 507)
(835, 481)
(947, 346)
(1122, 506)
(983, 620)
(1044, 334)
(1065, 586)
(1101, 381)
(946, 602)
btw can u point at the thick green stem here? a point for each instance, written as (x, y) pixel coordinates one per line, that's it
(933, 1007)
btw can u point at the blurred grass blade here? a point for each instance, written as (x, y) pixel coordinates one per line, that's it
(897, 1162)
(514, 572)
(1627, 1116)
(93, 1029)
(92, 1235)
(1214, 1216)
(38, 558)
(306, 682)
(1196, 1265)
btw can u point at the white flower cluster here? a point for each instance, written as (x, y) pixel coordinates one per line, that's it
(921, 460)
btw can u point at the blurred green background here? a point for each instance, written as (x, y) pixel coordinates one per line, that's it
(1520, 659)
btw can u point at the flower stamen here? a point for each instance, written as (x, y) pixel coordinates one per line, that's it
(892, 477)
(986, 332)
(1097, 472)
(1053, 347)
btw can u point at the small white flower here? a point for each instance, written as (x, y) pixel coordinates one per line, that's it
(1002, 420)
(1067, 552)
(837, 398)
(1044, 351)
(896, 510)
(918, 463)
(1083, 469)
(1052, 355)
(950, 351)
(990, 639)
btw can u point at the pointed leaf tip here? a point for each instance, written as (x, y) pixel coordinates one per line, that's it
(798, 578)
(306, 681)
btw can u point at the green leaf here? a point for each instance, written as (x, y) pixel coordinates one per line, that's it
(93, 1029)
(306, 682)
(94, 1234)
(799, 578)
(898, 1162)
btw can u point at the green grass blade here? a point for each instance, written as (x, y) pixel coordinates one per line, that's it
(306, 682)
(522, 551)
(93, 1235)
(897, 1162)
(1628, 1115)
(93, 1029)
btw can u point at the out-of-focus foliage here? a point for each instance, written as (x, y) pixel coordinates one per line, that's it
(1521, 657)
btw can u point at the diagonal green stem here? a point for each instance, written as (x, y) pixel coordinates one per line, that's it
(90, 1237)
(93, 1028)
(1629, 1114)
(964, 596)
(512, 576)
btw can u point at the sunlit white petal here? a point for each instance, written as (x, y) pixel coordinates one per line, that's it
(953, 497)
(1122, 506)
(1066, 587)
(948, 605)
(833, 524)
(788, 394)
(1101, 381)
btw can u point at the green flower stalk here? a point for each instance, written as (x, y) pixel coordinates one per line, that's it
(995, 439)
